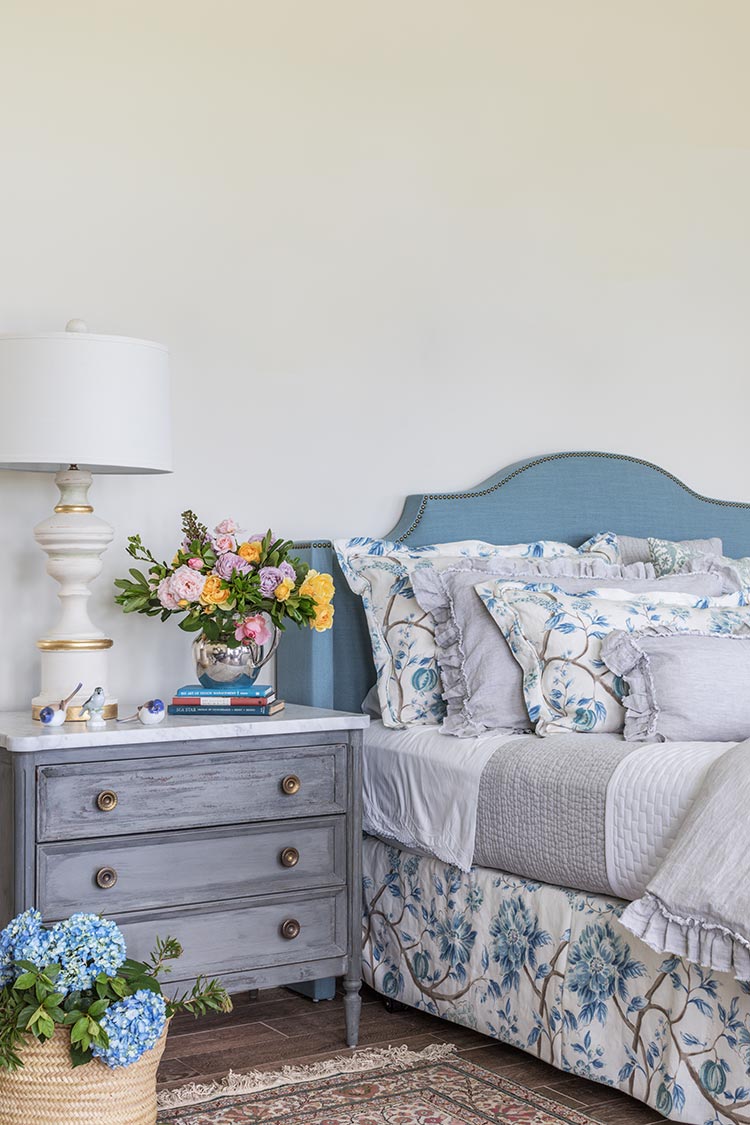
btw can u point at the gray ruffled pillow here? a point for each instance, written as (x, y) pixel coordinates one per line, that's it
(682, 687)
(482, 681)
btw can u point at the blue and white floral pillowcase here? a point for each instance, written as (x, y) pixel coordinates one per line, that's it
(557, 640)
(402, 635)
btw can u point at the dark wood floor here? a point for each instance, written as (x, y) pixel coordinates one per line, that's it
(281, 1028)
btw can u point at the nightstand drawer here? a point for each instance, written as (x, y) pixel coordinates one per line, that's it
(120, 798)
(230, 937)
(177, 868)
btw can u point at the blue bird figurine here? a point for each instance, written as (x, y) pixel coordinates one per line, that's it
(150, 713)
(56, 714)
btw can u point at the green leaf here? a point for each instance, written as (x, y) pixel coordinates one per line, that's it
(26, 980)
(79, 1057)
(79, 1030)
(98, 1008)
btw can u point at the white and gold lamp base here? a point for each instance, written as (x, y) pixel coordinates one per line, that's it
(75, 651)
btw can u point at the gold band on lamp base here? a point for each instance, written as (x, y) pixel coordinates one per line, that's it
(75, 646)
(74, 715)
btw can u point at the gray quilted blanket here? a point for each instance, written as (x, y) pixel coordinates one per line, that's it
(542, 808)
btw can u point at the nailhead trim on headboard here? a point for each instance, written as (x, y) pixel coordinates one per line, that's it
(559, 457)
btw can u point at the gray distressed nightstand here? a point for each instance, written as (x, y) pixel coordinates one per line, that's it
(241, 838)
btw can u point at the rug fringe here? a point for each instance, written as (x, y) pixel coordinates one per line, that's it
(253, 1083)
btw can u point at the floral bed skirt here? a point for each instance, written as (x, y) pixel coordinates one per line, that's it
(552, 971)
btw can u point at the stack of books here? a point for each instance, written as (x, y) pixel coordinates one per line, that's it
(260, 699)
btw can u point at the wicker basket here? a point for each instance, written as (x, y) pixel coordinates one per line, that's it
(46, 1090)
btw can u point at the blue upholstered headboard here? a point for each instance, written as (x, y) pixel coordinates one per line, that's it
(565, 496)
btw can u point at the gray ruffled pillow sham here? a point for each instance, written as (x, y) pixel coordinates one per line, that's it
(482, 682)
(682, 687)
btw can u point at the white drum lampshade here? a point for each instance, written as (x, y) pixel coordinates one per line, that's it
(74, 403)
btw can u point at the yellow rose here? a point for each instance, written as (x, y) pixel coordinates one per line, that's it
(250, 551)
(319, 587)
(284, 589)
(323, 618)
(213, 591)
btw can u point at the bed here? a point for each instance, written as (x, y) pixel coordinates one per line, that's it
(540, 959)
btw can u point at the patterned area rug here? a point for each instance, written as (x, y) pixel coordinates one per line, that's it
(394, 1087)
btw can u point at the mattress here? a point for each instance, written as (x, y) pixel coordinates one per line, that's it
(585, 811)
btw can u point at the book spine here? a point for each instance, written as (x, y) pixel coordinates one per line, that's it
(219, 701)
(257, 691)
(174, 709)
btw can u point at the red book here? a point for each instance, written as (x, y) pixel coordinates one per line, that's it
(222, 701)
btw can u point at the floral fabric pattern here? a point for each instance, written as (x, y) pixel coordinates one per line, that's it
(553, 972)
(670, 558)
(557, 640)
(402, 635)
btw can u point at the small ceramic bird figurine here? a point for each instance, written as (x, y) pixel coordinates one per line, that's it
(56, 714)
(149, 713)
(95, 706)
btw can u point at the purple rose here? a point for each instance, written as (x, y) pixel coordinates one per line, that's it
(288, 571)
(270, 576)
(228, 563)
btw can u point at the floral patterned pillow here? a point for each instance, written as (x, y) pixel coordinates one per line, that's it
(669, 558)
(557, 640)
(403, 635)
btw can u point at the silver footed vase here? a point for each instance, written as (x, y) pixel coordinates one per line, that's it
(219, 666)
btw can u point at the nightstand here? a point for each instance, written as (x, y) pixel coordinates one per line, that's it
(239, 837)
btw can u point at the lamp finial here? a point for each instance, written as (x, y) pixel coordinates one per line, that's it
(76, 325)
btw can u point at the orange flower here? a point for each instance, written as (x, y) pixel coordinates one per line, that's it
(250, 551)
(323, 618)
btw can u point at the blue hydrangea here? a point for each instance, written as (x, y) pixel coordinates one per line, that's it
(85, 945)
(23, 939)
(133, 1025)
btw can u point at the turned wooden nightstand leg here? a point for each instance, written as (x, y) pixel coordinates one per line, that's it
(353, 977)
(352, 1009)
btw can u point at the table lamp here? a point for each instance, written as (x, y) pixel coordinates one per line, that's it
(73, 403)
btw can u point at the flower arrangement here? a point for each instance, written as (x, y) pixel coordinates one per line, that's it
(228, 585)
(75, 974)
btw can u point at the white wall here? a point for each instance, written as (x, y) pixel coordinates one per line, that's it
(391, 244)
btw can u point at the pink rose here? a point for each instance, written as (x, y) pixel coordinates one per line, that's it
(195, 564)
(254, 629)
(226, 527)
(165, 595)
(186, 584)
(223, 544)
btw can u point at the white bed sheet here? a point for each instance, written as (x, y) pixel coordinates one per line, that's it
(421, 788)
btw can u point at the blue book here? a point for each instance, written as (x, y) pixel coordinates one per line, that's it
(271, 709)
(257, 691)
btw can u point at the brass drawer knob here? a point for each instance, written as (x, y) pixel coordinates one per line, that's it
(106, 877)
(290, 929)
(107, 800)
(289, 857)
(291, 784)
